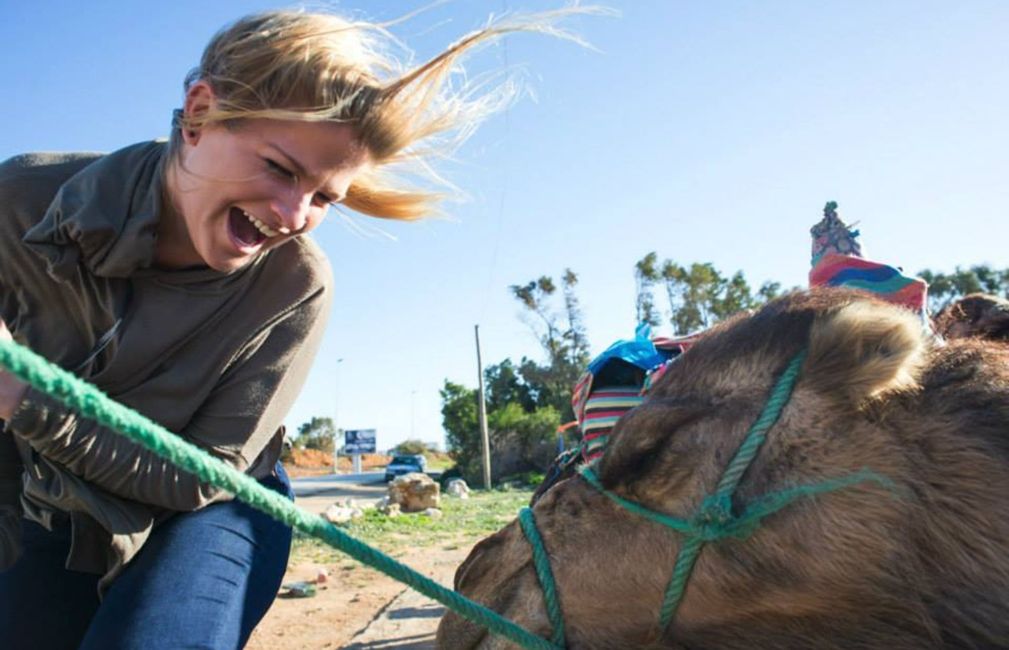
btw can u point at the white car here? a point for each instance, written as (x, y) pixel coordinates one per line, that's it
(405, 464)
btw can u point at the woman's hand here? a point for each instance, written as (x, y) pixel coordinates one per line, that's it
(12, 389)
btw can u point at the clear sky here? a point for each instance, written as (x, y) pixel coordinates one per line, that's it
(706, 131)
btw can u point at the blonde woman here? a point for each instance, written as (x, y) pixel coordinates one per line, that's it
(176, 277)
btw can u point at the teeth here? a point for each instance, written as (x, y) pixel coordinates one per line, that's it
(262, 227)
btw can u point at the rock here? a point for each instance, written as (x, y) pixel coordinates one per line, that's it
(434, 513)
(457, 488)
(414, 492)
(338, 514)
(392, 510)
(297, 590)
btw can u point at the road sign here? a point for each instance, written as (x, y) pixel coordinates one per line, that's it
(359, 441)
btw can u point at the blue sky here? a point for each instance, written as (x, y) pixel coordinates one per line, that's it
(705, 131)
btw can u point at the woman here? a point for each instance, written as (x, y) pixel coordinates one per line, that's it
(175, 276)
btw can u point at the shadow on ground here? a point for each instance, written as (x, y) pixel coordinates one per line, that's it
(414, 642)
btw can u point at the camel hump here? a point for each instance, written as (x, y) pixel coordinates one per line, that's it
(865, 349)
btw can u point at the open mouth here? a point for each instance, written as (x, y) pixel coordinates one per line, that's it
(246, 231)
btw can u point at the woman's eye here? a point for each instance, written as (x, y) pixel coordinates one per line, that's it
(323, 200)
(278, 169)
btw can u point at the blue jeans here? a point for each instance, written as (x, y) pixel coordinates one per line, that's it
(204, 579)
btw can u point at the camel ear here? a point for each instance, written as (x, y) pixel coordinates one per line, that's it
(863, 350)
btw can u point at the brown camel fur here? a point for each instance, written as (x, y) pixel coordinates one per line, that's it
(976, 315)
(922, 564)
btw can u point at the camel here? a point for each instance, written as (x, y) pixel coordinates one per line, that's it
(918, 560)
(975, 315)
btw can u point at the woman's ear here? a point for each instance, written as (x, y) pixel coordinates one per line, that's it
(200, 99)
(863, 350)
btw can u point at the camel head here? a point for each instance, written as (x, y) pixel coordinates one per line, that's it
(919, 559)
(975, 315)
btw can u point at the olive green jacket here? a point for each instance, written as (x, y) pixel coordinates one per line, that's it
(216, 358)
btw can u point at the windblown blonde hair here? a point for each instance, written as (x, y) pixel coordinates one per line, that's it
(294, 65)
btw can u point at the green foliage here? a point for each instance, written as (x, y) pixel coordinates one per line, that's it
(504, 384)
(318, 433)
(646, 275)
(462, 428)
(464, 522)
(411, 447)
(524, 480)
(561, 333)
(521, 440)
(698, 295)
(945, 288)
(527, 401)
(531, 428)
(517, 436)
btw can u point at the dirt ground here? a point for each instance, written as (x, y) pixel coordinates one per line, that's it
(312, 462)
(353, 608)
(347, 607)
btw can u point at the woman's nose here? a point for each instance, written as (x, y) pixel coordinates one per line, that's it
(293, 210)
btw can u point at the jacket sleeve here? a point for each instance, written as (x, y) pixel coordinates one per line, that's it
(236, 422)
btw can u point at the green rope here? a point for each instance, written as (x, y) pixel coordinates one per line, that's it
(779, 397)
(714, 519)
(542, 563)
(93, 404)
(685, 560)
(714, 522)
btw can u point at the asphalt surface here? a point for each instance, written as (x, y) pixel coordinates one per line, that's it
(314, 485)
(316, 493)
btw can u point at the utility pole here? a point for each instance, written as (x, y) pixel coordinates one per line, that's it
(484, 436)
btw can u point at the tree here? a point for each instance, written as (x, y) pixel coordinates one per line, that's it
(318, 433)
(520, 440)
(411, 447)
(944, 288)
(535, 297)
(462, 430)
(562, 336)
(699, 295)
(504, 384)
(646, 275)
(575, 335)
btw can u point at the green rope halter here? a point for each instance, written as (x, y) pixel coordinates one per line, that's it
(714, 519)
(92, 403)
(545, 575)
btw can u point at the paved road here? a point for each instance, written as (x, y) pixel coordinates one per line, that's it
(316, 493)
(315, 485)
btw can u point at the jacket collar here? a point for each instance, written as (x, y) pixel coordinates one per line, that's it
(105, 217)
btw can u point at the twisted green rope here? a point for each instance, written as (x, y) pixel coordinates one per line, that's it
(93, 404)
(776, 402)
(714, 519)
(542, 563)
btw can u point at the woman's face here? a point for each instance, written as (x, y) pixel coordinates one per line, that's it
(242, 190)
